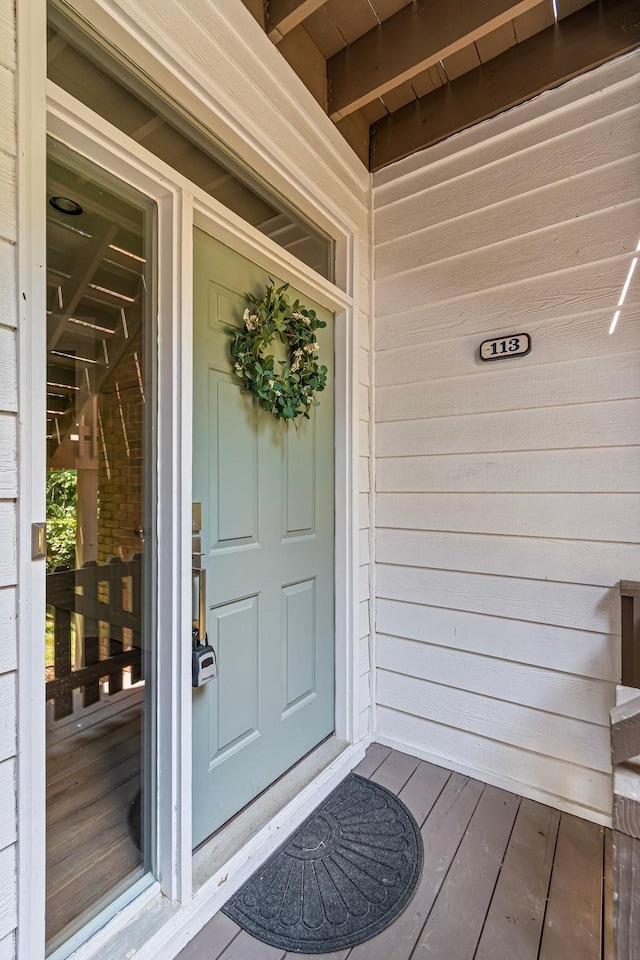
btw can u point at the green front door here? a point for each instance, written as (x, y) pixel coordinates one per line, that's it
(267, 495)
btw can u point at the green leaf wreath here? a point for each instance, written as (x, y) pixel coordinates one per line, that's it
(291, 391)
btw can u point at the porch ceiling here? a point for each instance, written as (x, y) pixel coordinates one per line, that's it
(398, 75)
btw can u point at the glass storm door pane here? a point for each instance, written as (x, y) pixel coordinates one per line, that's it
(99, 652)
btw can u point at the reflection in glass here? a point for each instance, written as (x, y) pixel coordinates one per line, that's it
(98, 656)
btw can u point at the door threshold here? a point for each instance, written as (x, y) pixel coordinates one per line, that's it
(229, 840)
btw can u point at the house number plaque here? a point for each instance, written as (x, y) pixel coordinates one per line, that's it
(514, 345)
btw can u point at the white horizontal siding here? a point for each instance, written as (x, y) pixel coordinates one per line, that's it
(561, 649)
(541, 601)
(7, 35)
(591, 562)
(8, 456)
(581, 698)
(566, 247)
(7, 629)
(553, 341)
(549, 385)
(364, 620)
(585, 516)
(7, 716)
(594, 147)
(8, 903)
(507, 504)
(615, 423)
(532, 302)
(603, 470)
(586, 744)
(7, 947)
(8, 824)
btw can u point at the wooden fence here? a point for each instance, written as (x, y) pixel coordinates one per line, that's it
(108, 598)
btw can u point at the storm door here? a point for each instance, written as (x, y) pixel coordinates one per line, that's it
(100, 532)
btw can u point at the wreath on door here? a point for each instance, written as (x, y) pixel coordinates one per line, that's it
(289, 392)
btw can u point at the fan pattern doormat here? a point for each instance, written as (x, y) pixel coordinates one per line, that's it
(346, 873)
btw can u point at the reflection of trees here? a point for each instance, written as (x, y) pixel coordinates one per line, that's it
(61, 518)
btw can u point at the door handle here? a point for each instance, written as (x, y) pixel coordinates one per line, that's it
(201, 621)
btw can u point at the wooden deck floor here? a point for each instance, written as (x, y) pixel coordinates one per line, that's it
(93, 773)
(504, 879)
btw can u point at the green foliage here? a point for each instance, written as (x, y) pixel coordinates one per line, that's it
(62, 511)
(290, 392)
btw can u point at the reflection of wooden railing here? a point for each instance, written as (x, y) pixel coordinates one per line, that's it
(108, 598)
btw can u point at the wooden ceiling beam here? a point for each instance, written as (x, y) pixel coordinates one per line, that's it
(412, 40)
(284, 15)
(584, 40)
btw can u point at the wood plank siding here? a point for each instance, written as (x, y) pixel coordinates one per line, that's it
(504, 878)
(8, 480)
(506, 493)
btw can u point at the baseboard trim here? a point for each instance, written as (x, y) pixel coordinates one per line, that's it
(496, 780)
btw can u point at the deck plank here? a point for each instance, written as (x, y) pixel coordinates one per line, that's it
(423, 788)
(394, 772)
(442, 832)
(212, 940)
(454, 926)
(246, 947)
(573, 922)
(514, 923)
(375, 755)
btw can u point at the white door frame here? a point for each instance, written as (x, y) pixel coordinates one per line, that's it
(181, 206)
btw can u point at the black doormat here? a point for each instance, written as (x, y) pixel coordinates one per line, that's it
(346, 873)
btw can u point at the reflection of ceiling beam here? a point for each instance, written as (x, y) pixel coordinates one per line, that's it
(84, 398)
(582, 41)
(74, 288)
(284, 15)
(413, 39)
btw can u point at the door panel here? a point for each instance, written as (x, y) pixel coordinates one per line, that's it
(299, 619)
(234, 454)
(235, 638)
(267, 495)
(299, 489)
